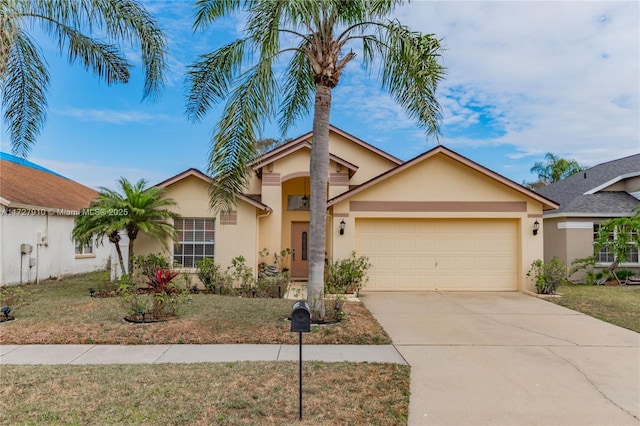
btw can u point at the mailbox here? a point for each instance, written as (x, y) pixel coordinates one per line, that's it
(301, 317)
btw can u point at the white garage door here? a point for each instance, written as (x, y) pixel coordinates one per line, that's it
(434, 254)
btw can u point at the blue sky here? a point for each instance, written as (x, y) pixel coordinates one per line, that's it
(523, 79)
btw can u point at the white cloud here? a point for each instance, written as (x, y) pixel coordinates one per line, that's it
(557, 76)
(110, 116)
(538, 76)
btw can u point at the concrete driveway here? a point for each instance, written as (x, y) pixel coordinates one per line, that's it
(510, 359)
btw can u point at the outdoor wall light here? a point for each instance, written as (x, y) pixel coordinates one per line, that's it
(342, 225)
(536, 226)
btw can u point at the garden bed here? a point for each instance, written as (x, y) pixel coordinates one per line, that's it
(61, 312)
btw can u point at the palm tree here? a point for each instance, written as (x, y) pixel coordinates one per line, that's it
(73, 24)
(315, 37)
(554, 168)
(136, 208)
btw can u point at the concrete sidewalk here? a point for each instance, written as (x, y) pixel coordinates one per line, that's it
(156, 354)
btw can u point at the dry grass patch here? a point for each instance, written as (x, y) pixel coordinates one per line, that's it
(619, 305)
(245, 393)
(61, 312)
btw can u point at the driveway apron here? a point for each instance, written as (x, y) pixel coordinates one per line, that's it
(510, 359)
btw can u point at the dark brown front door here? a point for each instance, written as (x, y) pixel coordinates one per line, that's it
(299, 249)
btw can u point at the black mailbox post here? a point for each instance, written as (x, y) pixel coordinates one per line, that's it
(300, 323)
(301, 317)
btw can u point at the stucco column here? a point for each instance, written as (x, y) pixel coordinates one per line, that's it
(271, 226)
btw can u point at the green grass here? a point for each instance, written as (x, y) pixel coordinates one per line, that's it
(264, 393)
(619, 305)
(62, 312)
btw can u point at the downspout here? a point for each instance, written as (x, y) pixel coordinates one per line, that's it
(39, 243)
(260, 216)
(330, 239)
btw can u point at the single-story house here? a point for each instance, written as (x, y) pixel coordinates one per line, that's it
(437, 222)
(608, 190)
(37, 212)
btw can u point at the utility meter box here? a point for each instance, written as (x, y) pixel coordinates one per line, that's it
(301, 317)
(25, 248)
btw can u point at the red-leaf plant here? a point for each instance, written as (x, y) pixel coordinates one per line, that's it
(160, 286)
(160, 283)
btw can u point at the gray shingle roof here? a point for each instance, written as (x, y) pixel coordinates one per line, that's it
(570, 192)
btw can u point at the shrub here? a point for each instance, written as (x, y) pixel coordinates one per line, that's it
(347, 275)
(548, 277)
(209, 273)
(148, 264)
(164, 301)
(135, 304)
(273, 286)
(240, 275)
(623, 274)
(282, 259)
(334, 308)
(585, 264)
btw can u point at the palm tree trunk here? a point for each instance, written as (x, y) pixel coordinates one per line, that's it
(114, 238)
(319, 170)
(130, 256)
(120, 259)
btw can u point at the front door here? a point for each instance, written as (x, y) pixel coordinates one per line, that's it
(299, 249)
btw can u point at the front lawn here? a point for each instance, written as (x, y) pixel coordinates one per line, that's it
(62, 312)
(619, 305)
(264, 393)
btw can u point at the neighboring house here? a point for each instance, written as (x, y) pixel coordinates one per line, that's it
(37, 212)
(606, 191)
(436, 222)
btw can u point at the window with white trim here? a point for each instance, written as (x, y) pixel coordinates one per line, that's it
(606, 256)
(84, 249)
(196, 241)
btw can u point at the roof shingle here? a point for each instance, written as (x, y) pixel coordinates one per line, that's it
(572, 192)
(22, 185)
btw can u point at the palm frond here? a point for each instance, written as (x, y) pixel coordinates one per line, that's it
(103, 59)
(411, 72)
(24, 93)
(297, 99)
(235, 135)
(209, 79)
(208, 11)
(129, 21)
(73, 24)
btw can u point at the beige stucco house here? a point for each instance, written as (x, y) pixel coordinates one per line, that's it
(437, 222)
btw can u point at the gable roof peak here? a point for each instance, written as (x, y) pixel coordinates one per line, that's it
(443, 150)
(308, 138)
(207, 179)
